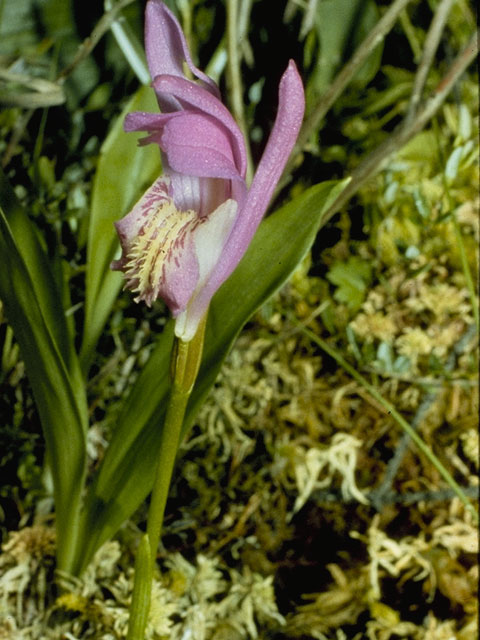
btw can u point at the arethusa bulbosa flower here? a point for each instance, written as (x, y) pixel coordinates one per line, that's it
(190, 229)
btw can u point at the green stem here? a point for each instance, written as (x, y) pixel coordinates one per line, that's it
(185, 8)
(186, 357)
(466, 269)
(168, 452)
(235, 78)
(142, 591)
(396, 416)
(409, 31)
(68, 523)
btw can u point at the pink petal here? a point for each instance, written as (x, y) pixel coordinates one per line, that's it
(144, 121)
(193, 98)
(167, 49)
(130, 226)
(197, 145)
(291, 107)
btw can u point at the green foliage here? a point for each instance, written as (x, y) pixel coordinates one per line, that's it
(340, 26)
(17, 26)
(31, 300)
(124, 171)
(352, 279)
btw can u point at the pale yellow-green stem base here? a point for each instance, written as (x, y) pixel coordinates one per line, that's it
(186, 357)
(142, 591)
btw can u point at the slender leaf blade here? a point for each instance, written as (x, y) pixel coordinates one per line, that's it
(59, 402)
(44, 285)
(124, 171)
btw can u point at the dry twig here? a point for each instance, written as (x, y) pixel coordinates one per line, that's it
(407, 129)
(429, 49)
(89, 44)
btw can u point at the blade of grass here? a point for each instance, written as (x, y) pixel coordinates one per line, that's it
(61, 405)
(124, 171)
(44, 286)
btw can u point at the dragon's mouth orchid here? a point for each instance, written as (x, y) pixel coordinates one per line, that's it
(190, 229)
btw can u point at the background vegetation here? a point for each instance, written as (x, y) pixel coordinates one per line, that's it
(300, 508)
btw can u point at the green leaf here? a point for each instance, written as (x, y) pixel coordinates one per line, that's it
(30, 298)
(17, 27)
(126, 474)
(124, 172)
(365, 19)
(341, 25)
(387, 97)
(45, 290)
(352, 278)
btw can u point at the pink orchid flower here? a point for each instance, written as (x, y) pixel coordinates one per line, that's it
(189, 231)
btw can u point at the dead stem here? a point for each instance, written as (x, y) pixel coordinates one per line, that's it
(406, 130)
(430, 46)
(89, 44)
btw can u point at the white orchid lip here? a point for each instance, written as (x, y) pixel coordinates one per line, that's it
(190, 229)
